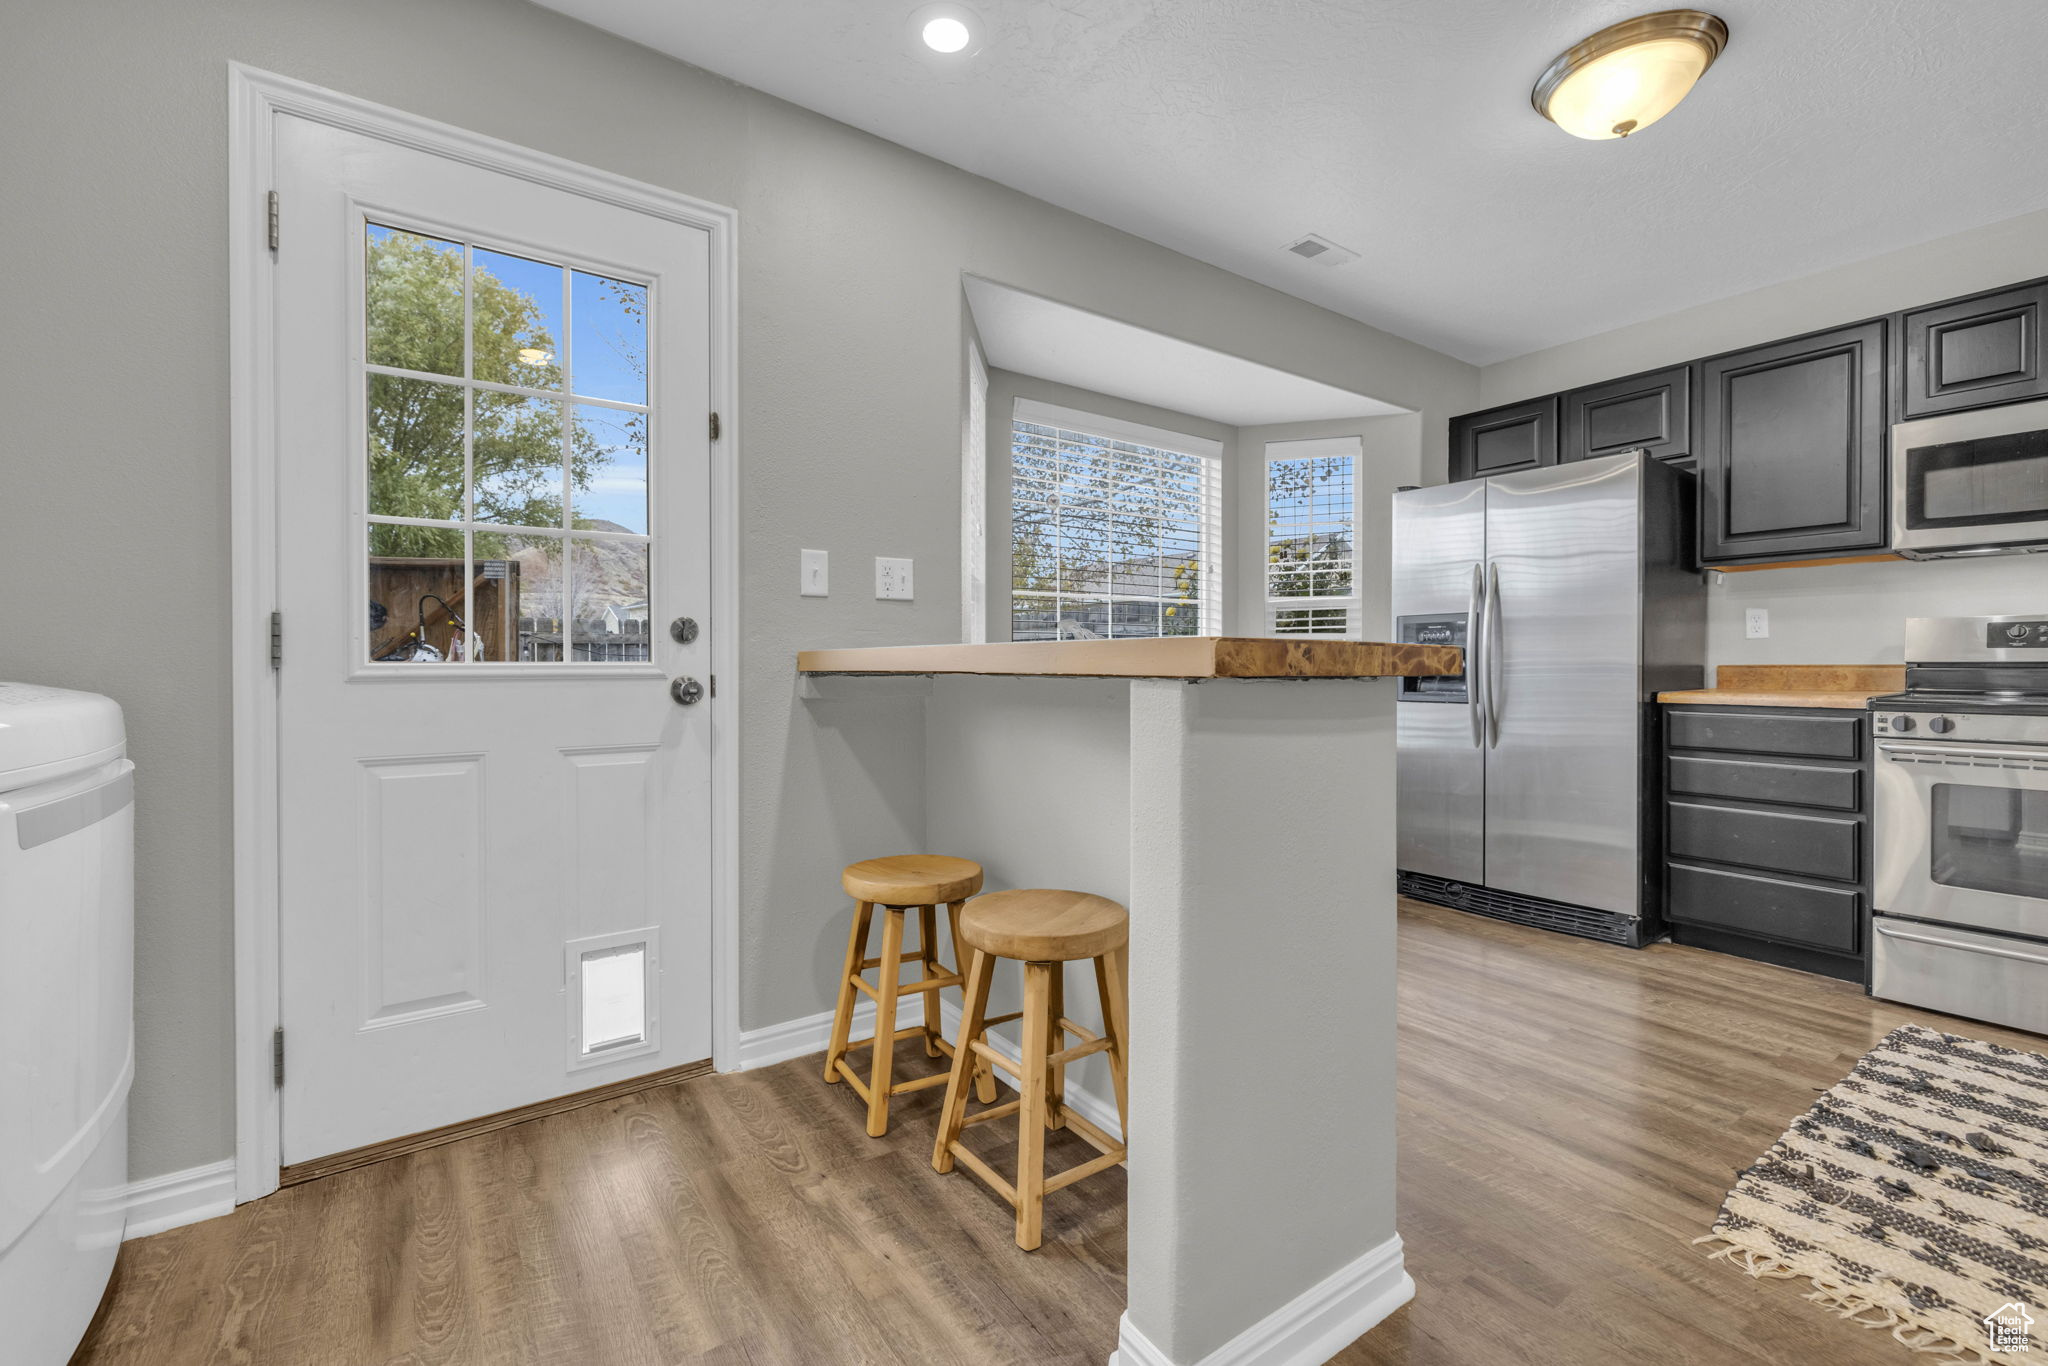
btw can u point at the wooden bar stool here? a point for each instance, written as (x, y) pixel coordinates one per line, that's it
(899, 885)
(1044, 930)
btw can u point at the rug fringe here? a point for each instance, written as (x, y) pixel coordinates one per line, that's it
(1845, 1303)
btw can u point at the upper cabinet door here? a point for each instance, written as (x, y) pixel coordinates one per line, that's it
(1519, 436)
(1974, 352)
(1650, 412)
(1791, 448)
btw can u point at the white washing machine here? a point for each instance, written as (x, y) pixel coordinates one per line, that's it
(67, 1038)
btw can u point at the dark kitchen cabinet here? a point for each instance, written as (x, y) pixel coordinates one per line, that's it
(1973, 352)
(1767, 834)
(1518, 436)
(1791, 447)
(1650, 412)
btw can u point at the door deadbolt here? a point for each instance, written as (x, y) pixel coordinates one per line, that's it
(686, 691)
(683, 630)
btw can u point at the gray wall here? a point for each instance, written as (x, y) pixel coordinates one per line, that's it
(1838, 613)
(113, 526)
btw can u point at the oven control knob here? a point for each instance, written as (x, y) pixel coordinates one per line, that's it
(1902, 723)
(1942, 725)
(2015, 633)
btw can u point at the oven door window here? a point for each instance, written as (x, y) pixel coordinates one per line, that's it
(1990, 839)
(1983, 482)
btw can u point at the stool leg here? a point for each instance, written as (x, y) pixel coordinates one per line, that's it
(984, 1075)
(1056, 1085)
(1111, 982)
(928, 959)
(884, 1046)
(842, 1015)
(1031, 1117)
(965, 1062)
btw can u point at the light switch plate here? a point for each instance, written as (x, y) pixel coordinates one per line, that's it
(1756, 622)
(892, 578)
(812, 574)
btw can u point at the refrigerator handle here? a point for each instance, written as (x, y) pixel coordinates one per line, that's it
(1475, 677)
(1490, 629)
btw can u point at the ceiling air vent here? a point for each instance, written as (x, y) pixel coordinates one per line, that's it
(1321, 250)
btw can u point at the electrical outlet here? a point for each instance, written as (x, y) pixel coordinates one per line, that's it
(892, 578)
(1756, 622)
(811, 575)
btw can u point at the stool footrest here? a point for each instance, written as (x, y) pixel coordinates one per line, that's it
(992, 1021)
(919, 1084)
(847, 1075)
(907, 1032)
(1079, 1050)
(984, 1171)
(995, 1059)
(1003, 1111)
(1084, 1035)
(1095, 1137)
(1086, 1169)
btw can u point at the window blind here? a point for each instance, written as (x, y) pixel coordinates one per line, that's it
(1113, 529)
(1311, 537)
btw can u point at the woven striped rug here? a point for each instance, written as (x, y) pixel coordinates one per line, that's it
(1914, 1197)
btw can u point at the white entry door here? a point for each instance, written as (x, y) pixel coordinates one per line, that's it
(493, 402)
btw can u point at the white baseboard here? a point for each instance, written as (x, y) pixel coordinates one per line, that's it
(794, 1038)
(1306, 1331)
(174, 1199)
(797, 1038)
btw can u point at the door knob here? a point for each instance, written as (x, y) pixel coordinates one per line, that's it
(683, 630)
(686, 691)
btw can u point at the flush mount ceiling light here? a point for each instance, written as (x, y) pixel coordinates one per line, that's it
(1628, 75)
(945, 32)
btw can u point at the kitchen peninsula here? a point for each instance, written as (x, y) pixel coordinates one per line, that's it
(1238, 796)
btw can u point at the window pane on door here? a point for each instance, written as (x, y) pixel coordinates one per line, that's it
(518, 455)
(532, 632)
(610, 491)
(413, 303)
(609, 579)
(516, 320)
(610, 341)
(415, 437)
(416, 594)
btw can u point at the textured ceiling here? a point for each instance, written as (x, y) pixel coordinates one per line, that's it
(1829, 131)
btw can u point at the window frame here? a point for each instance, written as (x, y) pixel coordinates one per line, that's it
(1205, 450)
(1352, 604)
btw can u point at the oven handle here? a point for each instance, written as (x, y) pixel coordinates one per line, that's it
(1938, 942)
(1939, 751)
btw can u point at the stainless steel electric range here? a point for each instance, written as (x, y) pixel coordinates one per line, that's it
(1960, 886)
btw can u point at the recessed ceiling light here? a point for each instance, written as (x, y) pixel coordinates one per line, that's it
(945, 32)
(1628, 75)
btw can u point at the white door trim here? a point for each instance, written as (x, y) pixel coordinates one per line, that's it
(255, 98)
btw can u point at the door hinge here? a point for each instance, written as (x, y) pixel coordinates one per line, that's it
(273, 220)
(714, 426)
(276, 640)
(714, 685)
(277, 1057)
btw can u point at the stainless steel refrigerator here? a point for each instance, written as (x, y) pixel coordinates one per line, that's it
(1528, 786)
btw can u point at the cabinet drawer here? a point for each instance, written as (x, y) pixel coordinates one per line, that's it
(1823, 917)
(1755, 780)
(1778, 841)
(1761, 732)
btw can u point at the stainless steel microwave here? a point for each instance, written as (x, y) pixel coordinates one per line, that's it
(1973, 483)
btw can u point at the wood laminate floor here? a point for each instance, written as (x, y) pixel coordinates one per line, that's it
(1571, 1115)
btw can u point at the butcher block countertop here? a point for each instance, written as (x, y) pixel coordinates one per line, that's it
(1164, 657)
(1846, 686)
